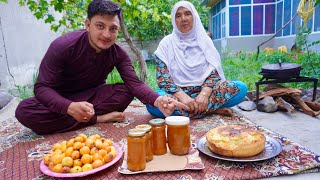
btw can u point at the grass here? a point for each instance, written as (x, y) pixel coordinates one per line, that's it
(243, 67)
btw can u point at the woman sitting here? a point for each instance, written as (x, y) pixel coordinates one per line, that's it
(189, 69)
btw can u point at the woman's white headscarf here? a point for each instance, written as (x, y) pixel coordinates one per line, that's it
(190, 57)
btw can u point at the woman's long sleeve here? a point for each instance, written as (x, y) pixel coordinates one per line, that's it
(164, 80)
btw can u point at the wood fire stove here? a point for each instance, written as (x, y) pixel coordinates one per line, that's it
(264, 80)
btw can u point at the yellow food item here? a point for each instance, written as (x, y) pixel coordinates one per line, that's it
(80, 154)
(235, 141)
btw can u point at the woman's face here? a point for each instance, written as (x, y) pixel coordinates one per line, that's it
(184, 19)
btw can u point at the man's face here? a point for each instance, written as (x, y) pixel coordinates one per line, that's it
(103, 31)
(184, 19)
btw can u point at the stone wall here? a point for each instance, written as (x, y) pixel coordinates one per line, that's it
(147, 47)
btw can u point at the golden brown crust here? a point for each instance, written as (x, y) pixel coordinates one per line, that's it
(235, 141)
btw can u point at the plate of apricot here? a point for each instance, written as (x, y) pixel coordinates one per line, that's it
(80, 156)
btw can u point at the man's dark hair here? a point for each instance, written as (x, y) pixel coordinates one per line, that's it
(103, 7)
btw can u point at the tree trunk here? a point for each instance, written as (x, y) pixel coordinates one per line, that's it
(141, 61)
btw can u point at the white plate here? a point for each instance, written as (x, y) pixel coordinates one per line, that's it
(272, 149)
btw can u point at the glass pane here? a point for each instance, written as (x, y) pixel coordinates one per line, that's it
(296, 22)
(219, 26)
(279, 18)
(236, 2)
(269, 19)
(287, 17)
(246, 20)
(223, 4)
(317, 16)
(263, 1)
(257, 19)
(234, 21)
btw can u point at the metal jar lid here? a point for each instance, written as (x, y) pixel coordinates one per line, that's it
(144, 127)
(136, 132)
(156, 122)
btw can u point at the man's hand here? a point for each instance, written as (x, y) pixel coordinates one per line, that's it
(81, 111)
(167, 105)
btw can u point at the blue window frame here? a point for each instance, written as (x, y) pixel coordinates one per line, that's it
(269, 19)
(257, 20)
(246, 20)
(234, 21)
(286, 17)
(263, 1)
(279, 18)
(237, 2)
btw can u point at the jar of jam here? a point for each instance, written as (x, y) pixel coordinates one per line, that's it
(159, 143)
(136, 146)
(178, 134)
(147, 129)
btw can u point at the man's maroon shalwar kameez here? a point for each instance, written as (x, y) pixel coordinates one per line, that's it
(72, 71)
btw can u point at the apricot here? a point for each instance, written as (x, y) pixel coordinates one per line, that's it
(97, 163)
(84, 137)
(86, 159)
(85, 150)
(93, 150)
(98, 143)
(56, 146)
(107, 158)
(96, 156)
(87, 167)
(77, 162)
(56, 158)
(57, 168)
(70, 143)
(90, 143)
(102, 152)
(77, 145)
(47, 159)
(79, 139)
(108, 149)
(75, 155)
(109, 142)
(67, 161)
(68, 151)
(76, 169)
(66, 169)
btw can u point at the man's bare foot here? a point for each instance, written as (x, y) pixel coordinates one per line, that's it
(111, 117)
(223, 111)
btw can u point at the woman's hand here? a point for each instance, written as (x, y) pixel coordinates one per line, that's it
(81, 111)
(203, 99)
(167, 105)
(187, 100)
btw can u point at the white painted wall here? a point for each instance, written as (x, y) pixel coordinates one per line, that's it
(23, 42)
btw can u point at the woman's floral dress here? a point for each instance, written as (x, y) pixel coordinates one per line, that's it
(222, 90)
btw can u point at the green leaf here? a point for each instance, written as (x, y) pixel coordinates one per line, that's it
(49, 19)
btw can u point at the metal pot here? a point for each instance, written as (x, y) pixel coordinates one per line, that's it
(281, 71)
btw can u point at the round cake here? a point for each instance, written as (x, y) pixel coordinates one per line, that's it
(235, 141)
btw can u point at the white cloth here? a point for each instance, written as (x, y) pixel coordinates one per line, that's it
(190, 57)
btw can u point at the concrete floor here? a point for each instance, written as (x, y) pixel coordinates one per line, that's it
(298, 127)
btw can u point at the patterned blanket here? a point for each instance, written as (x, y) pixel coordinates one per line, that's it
(21, 150)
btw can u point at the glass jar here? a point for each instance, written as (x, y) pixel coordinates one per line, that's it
(178, 134)
(136, 146)
(159, 143)
(147, 129)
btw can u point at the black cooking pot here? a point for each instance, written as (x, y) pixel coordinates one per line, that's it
(281, 71)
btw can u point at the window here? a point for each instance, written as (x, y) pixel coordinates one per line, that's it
(246, 20)
(234, 21)
(279, 18)
(263, 1)
(296, 22)
(317, 16)
(236, 2)
(269, 19)
(223, 24)
(286, 16)
(257, 20)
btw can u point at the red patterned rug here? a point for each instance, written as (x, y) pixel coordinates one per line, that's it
(21, 150)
